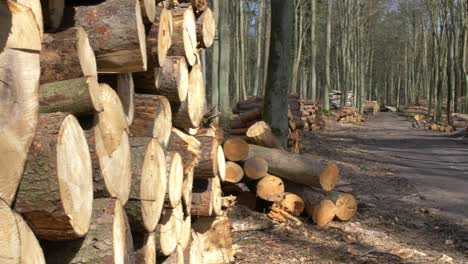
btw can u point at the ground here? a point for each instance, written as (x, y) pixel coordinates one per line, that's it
(412, 187)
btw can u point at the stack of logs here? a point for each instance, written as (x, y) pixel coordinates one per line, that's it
(312, 115)
(264, 175)
(248, 112)
(349, 114)
(98, 173)
(419, 118)
(371, 107)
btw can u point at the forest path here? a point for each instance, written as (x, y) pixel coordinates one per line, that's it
(435, 163)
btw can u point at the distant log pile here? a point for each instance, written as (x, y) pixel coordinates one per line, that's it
(96, 172)
(312, 115)
(371, 107)
(262, 175)
(248, 112)
(349, 115)
(418, 116)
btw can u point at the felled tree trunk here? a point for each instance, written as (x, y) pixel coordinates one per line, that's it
(78, 96)
(149, 179)
(236, 149)
(255, 168)
(19, 243)
(261, 133)
(172, 81)
(234, 172)
(116, 33)
(189, 113)
(67, 55)
(123, 84)
(206, 197)
(112, 171)
(108, 240)
(298, 168)
(187, 146)
(212, 161)
(184, 35)
(270, 188)
(206, 29)
(56, 193)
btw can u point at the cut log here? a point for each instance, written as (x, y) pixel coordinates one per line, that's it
(52, 13)
(116, 33)
(189, 113)
(172, 80)
(187, 193)
(17, 242)
(236, 149)
(291, 203)
(185, 233)
(234, 172)
(149, 179)
(148, 10)
(146, 254)
(175, 177)
(212, 162)
(298, 168)
(153, 118)
(108, 240)
(187, 146)
(77, 96)
(255, 168)
(125, 88)
(261, 133)
(177, 257)
(215, 239)
(159, 38)
(67, 55)
(270, 188)
(36, 9)
(56, 193)
(198, 5)
(206, 197)
(19, 85)
(346, 205)
(18, 29)
(206, 29)
(184, 35)
(168, 230)
(217, 196)
(193, 254)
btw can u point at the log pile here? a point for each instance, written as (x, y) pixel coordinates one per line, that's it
(371, 107)
(264, 176)
(312, 115)
(248, 112)
(93, 171)
(349, 114)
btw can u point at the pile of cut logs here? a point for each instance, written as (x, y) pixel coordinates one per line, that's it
(248, 112)
(264, 175)
(371, 107)
(97, 173)
(312, 115)
(349, 114)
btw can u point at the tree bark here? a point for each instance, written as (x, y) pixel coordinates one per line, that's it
(298, 168)
(58, 161)
(153, 118)
(78, 96)
(108, 240)
(67, 55)
(116, 33)
(224, 62)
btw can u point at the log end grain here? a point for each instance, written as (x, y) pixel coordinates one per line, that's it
(175, 178)
(346, 207)
(255, 168)
(221, 163)
(329, 177)
(322, 213)
(236, 149)
(270, 188)
(234, 172)
(292, 204)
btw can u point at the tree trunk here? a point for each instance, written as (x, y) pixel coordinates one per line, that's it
(123, 84)
(149, 179)
(78, 96)
(184, 35)
(67, 55)
(19, 243)
(153, 118)
(224, 61)
(275, 111)
(236, 149)
(298, 168)
(262, 135)
(206, 29)
(187, 146)
(212, 162)
(58, 161)
(108, 240)
(116, 33)
(19, 87)
(189, 113)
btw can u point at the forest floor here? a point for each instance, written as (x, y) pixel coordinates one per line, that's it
(412, 188)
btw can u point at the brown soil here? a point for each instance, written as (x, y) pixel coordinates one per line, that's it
(412, 187)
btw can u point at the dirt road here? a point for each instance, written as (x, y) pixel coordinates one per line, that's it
(412, 187)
